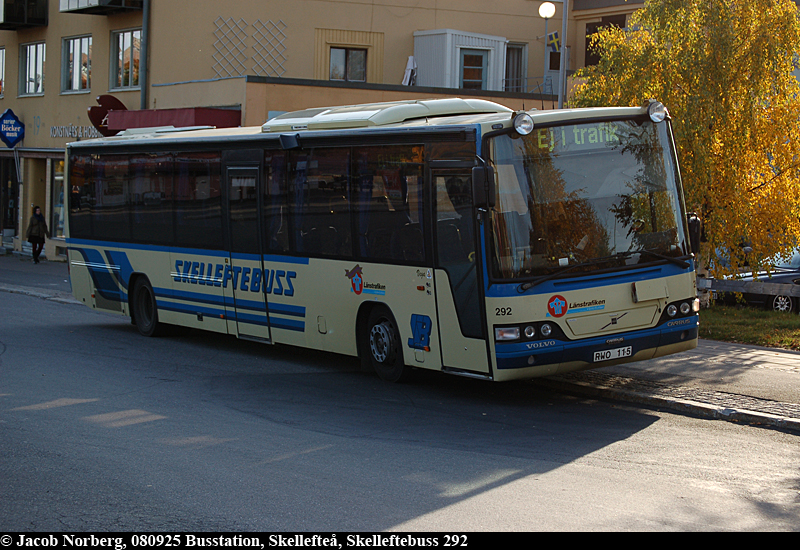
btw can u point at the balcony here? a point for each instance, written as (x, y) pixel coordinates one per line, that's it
(20, 14)
(99, 7)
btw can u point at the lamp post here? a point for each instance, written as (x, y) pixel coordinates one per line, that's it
(546, 11)
(562, 70)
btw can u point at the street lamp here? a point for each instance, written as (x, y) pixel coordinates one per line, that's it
(546, 11)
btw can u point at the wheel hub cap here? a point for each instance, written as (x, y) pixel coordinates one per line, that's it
(381, 342)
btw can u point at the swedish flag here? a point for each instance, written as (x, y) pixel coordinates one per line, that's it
(554, 42)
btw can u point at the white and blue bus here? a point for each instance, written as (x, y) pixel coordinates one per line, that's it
(449, 234)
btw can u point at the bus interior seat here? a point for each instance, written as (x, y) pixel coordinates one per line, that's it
(407, 243)
(451, 247)
(379, 242)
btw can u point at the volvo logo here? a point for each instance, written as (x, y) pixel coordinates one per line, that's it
(615, 340)
(543, 344)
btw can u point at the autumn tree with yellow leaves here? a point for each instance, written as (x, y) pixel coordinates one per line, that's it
(724, 70)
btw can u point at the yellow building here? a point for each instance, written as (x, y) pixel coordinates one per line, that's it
(75, 69)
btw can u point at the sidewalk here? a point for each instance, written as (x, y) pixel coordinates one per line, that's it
(733, 382)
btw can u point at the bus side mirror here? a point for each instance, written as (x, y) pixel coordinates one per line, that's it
(694, 231)
(483, 186)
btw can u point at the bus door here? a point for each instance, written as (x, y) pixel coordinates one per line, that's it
(458, 297)
(244, 270)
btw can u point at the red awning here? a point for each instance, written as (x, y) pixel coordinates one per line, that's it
(179, 118)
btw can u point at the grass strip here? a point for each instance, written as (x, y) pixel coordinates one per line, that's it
(745, 325)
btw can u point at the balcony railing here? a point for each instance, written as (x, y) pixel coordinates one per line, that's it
(99, 7)
(17, 14)
(532, 85)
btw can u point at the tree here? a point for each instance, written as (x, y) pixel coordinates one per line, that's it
(724, 70)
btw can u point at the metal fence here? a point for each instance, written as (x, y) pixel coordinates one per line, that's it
(530, 85)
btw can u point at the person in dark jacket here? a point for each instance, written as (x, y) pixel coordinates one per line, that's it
(37, 231)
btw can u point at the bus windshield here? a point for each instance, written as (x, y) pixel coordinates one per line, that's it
(584, 197)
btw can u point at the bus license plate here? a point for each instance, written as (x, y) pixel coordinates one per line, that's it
(615, 353)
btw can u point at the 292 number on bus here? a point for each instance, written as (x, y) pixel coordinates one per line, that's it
(455, 540)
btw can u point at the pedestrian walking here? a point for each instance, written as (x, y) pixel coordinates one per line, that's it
(37, 231)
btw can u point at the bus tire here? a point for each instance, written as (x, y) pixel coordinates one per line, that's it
(145, 310)
(382, 345)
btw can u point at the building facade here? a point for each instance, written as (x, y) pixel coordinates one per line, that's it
(78, 69)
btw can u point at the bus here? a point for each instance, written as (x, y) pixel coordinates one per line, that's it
(452, 234)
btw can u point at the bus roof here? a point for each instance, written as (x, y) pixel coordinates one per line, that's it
(434, 114)
(379, 114)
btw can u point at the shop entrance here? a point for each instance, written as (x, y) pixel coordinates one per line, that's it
(9, 201)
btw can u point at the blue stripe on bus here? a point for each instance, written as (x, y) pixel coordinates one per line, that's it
(102, 274)
(516, 356)
(240, 317)
(505, 290)
(111, 275)
(277, 258)
(286, 309)
(279, 309)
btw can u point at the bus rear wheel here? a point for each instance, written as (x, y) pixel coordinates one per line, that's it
(145, 310)
(382, 343)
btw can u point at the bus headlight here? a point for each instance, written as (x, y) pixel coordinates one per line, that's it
(530, 331)
(672, 310)
(546, 330)
(685, 308)
(523, 124)
(657, 111)
(506, 333)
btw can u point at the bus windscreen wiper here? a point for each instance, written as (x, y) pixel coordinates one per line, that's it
(680, 261)
(530, 284)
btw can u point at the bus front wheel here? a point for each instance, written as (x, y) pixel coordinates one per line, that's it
(145, 310)
(382, 343)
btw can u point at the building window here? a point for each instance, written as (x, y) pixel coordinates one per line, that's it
(516, 68)
(77, 64)
(473, 69)
(348, 64)
(125, 58)
(592, 58)
(32, 69)
(2, 71)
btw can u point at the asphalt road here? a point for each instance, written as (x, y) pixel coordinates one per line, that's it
(102, 429)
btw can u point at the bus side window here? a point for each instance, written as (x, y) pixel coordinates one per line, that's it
(387, 191)
(198, 202)
(276, 212)
(317, 198)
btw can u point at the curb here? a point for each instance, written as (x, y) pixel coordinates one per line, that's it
(59, 297)
(685, 406)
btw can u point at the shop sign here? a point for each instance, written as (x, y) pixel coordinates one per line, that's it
(12, 130)
(74, 132)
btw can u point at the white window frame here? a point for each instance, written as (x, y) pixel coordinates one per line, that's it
(117, 57)
(69, 77)
(484, 68)
(35, 68)
(347, 50)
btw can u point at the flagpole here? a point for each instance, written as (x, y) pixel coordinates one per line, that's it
(546, 55)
